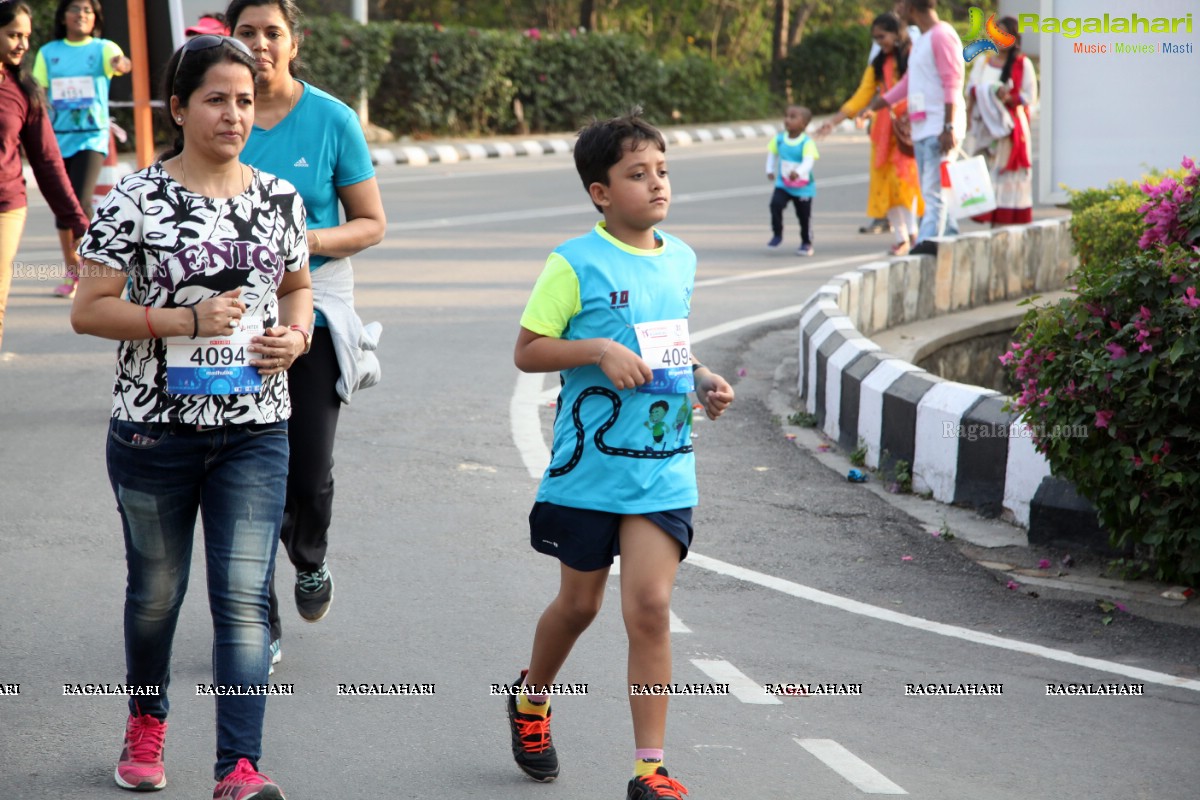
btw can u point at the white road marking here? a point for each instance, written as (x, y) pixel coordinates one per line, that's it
(773, 273)
(929, 626)
(864, 777)
(740, 685)
(526, 425)
(439, 223)
(677, 625)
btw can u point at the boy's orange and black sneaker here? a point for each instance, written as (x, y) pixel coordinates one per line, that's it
(655, 787)
(531, 745)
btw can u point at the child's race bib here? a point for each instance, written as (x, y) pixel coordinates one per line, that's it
(790, 172)
(667, 347)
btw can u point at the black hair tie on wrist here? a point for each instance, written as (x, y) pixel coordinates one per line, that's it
(195, 322)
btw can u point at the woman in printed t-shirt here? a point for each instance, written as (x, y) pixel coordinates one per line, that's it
(76, 70)
(315, 141)
(219, 307)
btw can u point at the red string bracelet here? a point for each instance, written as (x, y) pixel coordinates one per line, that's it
(150, 327)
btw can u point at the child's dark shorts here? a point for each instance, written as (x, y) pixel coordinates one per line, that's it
(587, 540)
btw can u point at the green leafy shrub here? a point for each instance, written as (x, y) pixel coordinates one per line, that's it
(826, 66)
(448, 79)
(559, 79)
(465, 81)
(1106, 223)
(1121, 362)
(345, 58)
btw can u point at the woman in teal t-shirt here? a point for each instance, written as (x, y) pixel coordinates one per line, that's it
(76, 69)
(315, 142)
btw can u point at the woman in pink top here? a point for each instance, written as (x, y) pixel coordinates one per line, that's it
(24, 123)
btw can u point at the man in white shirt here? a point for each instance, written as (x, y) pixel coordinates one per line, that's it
(933, 85)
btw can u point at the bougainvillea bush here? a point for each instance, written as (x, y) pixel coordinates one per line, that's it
(1121, 360)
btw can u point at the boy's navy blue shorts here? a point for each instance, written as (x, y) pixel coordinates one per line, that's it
(587, 540)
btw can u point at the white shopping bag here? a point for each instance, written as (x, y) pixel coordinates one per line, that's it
(971, 190)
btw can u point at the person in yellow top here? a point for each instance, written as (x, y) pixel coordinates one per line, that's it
(895, 191)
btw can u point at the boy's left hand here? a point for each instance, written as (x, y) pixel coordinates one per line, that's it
(713, 392)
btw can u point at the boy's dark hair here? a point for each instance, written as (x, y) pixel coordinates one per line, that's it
(665, 405)
(60, 19)
(923, 5)
(602, 143)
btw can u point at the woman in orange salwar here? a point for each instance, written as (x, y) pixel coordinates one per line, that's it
(895, 191)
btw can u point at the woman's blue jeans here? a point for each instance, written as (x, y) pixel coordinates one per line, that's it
(235, 476)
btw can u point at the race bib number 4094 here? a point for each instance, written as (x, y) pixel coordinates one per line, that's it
(667, 348)
(214, 366)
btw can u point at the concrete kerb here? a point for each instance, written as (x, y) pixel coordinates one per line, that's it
(453, 152)
(860, 394)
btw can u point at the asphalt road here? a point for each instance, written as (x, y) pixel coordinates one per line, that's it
(797, 576)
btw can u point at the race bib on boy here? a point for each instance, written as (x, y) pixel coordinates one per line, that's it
(215, 366)
(791, 174)
(667, 348)
(72, 92)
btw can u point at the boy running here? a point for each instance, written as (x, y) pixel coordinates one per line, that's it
(609, 313)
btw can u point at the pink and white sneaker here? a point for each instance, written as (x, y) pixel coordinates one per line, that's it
(140, 766)
(245, 783)
(66, 289)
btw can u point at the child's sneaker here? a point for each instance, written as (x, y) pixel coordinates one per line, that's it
(656, 786)
(532, 747)
(66, 289)
(775, 242)
(246, 783)
(804, 250)
(140, 766)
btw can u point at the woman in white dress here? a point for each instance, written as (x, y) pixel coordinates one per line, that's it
(1001, 96)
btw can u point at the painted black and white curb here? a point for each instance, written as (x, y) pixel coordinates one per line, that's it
(961, 444)
(452, 153)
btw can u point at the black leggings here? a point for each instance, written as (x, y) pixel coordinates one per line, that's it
(308, 509)
(83, 170)
(779, 202)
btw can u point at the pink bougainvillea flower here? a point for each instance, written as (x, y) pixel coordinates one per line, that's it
(1115, 350)
(1144, 313)
(1044, 564)
(1146, 348)
(1116, 326)
(906, 558)
(1103, 418)
(1187, 162)
(1166, 447)
(1137, 461)
(1012, 586)
(1189, 298)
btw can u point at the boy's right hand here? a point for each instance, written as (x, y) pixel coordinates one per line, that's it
(623, 367)
(770, 176)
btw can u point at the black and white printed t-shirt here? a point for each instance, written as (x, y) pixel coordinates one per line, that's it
(180, 248)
